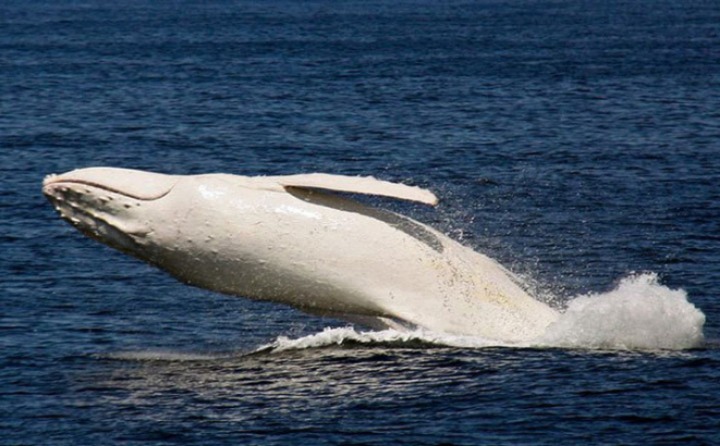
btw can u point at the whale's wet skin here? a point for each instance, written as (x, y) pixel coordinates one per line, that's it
(287, 240)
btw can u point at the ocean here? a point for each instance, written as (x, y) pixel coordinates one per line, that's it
(576, 142)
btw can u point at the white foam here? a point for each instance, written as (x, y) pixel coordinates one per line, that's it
(350, 335)
(639, 314)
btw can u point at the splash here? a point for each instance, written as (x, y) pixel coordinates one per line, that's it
(639, 314)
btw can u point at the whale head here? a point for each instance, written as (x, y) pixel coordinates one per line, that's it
(109, 204)
(188, 225)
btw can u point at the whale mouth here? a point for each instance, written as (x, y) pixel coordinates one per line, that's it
(98, 212)
(91, 216)
(104, 203)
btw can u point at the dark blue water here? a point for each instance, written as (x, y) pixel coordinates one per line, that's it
(575, 141)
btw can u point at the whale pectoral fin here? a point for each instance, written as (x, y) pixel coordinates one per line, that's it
(358, 185)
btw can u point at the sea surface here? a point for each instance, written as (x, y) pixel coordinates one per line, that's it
(577, 142)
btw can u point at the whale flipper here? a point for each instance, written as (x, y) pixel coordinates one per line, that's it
(358, 185)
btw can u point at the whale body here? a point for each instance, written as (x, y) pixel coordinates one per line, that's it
(293, 240)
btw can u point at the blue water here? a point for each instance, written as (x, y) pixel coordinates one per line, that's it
(577, 142)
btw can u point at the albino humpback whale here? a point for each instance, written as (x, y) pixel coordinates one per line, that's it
(288, 239)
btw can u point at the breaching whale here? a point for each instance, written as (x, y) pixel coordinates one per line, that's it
(293, 240)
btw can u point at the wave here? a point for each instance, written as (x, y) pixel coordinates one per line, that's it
(350, 336)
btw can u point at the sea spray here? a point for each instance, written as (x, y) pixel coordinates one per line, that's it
(639, 314)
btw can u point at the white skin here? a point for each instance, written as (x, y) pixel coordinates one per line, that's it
(280, 239)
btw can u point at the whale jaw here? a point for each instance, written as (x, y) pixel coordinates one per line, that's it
(104, 203)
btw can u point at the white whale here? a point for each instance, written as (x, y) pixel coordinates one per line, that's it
(286, 239)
